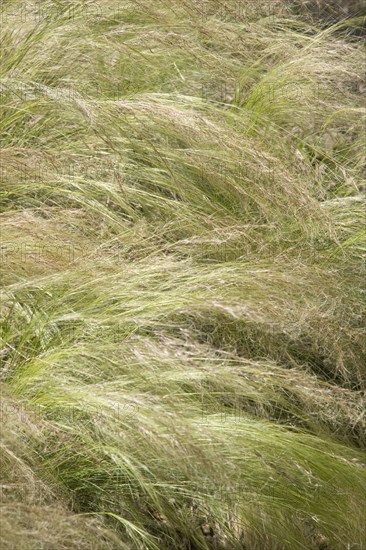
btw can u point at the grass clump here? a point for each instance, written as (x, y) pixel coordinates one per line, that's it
(182, 339)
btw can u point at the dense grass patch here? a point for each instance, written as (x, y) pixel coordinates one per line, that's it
(182, 352)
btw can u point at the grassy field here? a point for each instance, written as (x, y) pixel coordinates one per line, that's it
(182, 356)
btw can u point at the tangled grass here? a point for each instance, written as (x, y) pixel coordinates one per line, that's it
(182, 337)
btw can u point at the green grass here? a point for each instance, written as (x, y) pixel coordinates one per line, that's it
(182, 354)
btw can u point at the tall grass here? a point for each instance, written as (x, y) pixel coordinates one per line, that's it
(182, 336)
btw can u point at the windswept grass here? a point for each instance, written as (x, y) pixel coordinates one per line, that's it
(182, 231)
